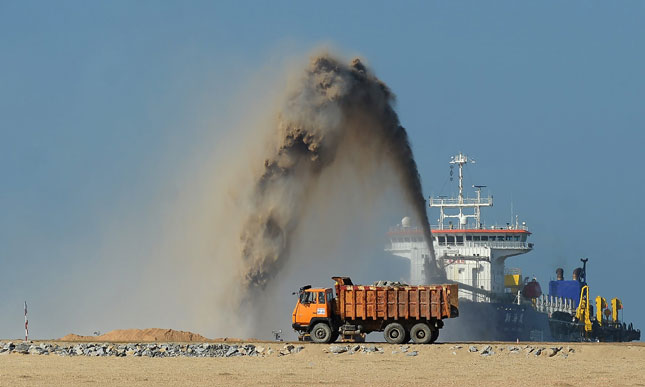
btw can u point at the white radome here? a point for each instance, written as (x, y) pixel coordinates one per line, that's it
(406, 222)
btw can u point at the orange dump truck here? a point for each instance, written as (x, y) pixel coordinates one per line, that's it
(400, 312)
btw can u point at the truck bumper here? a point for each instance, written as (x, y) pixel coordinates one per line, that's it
(300, 328)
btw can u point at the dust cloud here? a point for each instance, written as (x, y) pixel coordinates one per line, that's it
(301, 186)
(335, 116)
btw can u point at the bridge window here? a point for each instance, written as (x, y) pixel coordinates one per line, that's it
(450, 239)
(485, 237)
(476, 238)
(524, 238)
(500, 237)
(516, 237)
(460, 240)
(469, 237)
(442, 240)
(509, 237)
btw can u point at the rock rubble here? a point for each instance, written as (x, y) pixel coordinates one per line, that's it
(488, 350)
(145, 349)
(235, 350)
(353, 348)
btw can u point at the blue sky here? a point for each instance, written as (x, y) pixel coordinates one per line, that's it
(547, 96)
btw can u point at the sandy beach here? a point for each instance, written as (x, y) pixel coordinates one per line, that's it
(440, 364)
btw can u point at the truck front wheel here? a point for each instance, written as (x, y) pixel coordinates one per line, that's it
(394, 333)
(321, 333)
(421, 333)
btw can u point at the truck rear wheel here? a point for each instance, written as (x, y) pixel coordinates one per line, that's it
(321, 333)
(421, 333)
(394, 333)
(435, 335)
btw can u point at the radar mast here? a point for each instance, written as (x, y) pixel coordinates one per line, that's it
(460, 203)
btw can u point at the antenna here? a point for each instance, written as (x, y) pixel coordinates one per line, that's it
(477, 209)
(460, 159)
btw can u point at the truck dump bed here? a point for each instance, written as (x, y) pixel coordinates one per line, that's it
(363, 302)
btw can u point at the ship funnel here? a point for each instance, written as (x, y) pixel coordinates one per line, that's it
(559, 274)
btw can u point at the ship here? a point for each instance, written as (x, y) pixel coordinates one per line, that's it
(496, 302)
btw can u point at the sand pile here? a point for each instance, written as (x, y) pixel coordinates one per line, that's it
(139, 335)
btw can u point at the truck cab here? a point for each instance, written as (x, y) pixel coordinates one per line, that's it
(315, 305)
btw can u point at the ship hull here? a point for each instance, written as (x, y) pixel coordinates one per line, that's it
(479, 321)
(482, 321)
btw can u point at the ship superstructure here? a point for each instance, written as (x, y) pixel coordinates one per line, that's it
(470, 252)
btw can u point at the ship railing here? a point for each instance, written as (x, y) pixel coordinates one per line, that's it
(470, 226)
(500, 244)
(488, 244)
(419, 230)
(549, 304)
(487, 201)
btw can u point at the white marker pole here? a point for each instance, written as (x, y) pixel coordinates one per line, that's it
(26, 323)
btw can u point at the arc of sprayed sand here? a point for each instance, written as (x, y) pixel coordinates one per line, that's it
(313, 123)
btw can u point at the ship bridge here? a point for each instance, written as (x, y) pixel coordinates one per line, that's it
(403, 236)
(469, 251)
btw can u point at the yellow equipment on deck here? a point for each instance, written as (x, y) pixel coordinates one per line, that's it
(583, 313)
(601, 305)
(616, 305)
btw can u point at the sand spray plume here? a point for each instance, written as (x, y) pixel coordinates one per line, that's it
(266, 204)
(334, 108)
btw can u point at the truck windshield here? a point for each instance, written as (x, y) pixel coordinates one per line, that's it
(307, 297)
